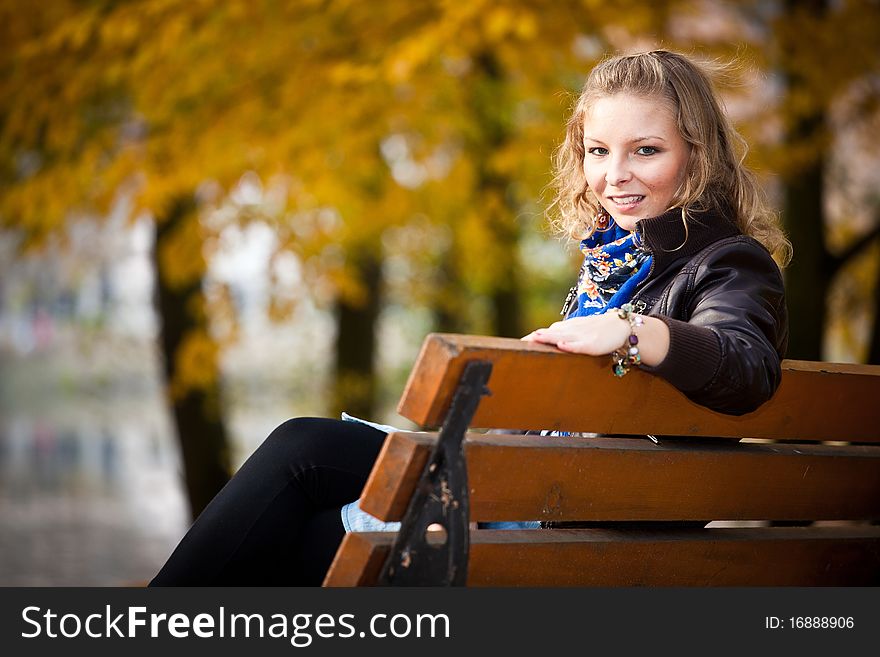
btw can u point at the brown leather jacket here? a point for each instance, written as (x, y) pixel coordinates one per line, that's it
(722, 297)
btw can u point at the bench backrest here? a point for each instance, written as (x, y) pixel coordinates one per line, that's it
(816, 475)
(537, 387)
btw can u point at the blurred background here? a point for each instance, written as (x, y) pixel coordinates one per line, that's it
(218, 214)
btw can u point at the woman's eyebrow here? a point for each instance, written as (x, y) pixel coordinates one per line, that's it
(632, 141)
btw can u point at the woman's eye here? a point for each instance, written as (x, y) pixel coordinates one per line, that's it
(597, 150)
(647, 150)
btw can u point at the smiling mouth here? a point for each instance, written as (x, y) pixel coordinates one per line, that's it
(624, 201)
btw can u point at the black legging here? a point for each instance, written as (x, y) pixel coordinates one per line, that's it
(277, 521)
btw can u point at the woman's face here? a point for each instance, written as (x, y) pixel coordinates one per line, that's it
(635, 158)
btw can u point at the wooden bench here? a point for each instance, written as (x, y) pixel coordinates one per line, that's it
(791, 491)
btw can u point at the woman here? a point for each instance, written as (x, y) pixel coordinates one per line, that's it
(649, 145)
(678, 279)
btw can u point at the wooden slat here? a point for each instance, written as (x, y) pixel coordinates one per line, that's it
(775, 556)
(538, 387)
(393, 479)
(552, 478)
(357, 561)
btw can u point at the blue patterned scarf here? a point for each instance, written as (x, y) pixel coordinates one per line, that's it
(613, 266)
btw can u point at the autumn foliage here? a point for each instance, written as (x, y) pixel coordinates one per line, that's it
(437, 117)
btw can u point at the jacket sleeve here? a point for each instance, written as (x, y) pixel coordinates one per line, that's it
(725, 352)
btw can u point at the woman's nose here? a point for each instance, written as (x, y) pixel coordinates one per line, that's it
(618, 171)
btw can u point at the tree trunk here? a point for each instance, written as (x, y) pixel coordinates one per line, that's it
(507, 295)
(491, 108)
(354, 387)
(448, 304)
(186, 349)
(808, 277)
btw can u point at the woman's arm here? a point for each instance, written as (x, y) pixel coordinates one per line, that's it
(723, 342)
(599, 335)
(731, 331)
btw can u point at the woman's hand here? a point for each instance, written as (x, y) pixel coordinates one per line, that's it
(596, 335)
(599, 335)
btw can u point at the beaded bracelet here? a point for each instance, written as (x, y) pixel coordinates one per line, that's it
(628, 356)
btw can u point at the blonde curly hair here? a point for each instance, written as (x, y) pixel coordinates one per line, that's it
(716, 180)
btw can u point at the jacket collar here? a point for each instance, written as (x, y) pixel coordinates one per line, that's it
(665, 238)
